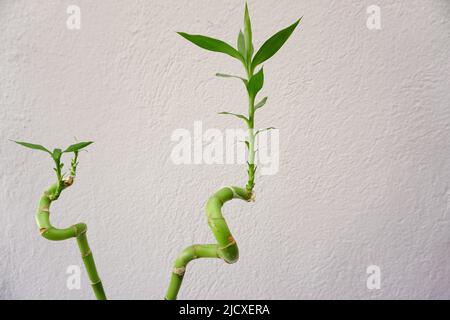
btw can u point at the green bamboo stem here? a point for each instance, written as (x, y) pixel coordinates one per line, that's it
(77, 231)
(251, 142)
(226, 247)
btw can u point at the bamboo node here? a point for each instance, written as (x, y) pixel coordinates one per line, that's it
(235, 195)
(84, 255)
(68, 182)
(252, 197)
(231, 242)
(179, 271)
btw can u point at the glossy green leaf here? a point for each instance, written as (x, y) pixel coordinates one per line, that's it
(212, 44)
(77, 146)
(240, 116)
(261, 103)
(241, 44)
(248, 35)
(256, 83)
(271, 46)
(33, 146)
(56, 154)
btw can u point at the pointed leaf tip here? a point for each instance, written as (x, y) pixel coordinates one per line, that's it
(56, 154)
(248, 37)
(32, 146)
(77, 146)
(212, 44)
(273, 44)
(256, 83)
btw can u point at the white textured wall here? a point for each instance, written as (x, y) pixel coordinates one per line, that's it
(364, 165)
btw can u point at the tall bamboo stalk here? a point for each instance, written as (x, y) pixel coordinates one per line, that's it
(226, 247)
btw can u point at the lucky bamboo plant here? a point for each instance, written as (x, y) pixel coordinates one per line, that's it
(78, 231)
(226, 247)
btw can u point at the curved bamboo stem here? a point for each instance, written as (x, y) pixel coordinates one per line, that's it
(226, 247)
(77, 231)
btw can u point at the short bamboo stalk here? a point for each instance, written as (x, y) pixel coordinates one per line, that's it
(79, 230)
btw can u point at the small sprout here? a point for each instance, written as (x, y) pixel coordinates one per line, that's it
(56, 156)
(261, 103)
(266, 129)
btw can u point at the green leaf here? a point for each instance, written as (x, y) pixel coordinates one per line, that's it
(240, 116)
(223, 75)
(271, 46)
(256, 83)
(212, 44)
(261, 103)
(241, 44)
(56, 155)
(33, 146)
(248, 35)
(266, 129)
(77, 146)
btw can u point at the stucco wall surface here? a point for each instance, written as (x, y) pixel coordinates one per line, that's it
(364, 173)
